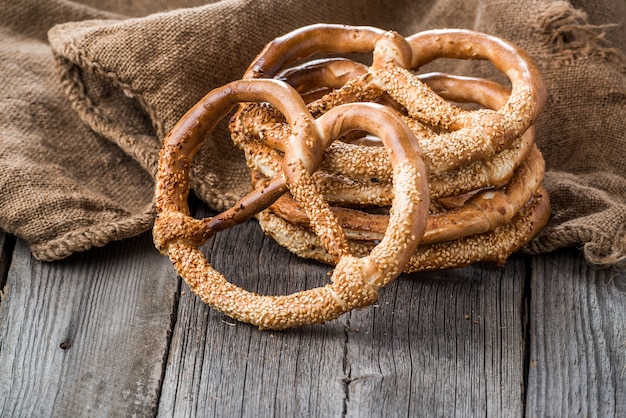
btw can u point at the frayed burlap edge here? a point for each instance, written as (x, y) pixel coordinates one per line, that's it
(568, 35)
(70, 77)
(599, 249)
(97, 236)
(71, 61)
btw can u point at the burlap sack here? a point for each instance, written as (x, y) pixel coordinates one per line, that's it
(79, 148)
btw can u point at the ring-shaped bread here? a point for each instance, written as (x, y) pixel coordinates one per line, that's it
(468, 135)
(355, 281)
(484, 211)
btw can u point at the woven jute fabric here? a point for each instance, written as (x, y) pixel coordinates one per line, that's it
(89, 91)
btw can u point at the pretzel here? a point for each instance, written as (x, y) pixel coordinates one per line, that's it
(483, 212)
(355, 281)
(496, 142)
(494, 246)
(475, 134)
(347, 160)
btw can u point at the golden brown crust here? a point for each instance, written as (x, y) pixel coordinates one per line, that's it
(337, 131)
(494, 246)
(356, 281)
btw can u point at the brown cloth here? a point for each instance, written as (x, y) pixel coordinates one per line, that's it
(89, 90)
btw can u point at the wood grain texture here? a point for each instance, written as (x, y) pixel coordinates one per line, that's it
(93, 336)
(222, 368)
(86, 336)
(448, 343)
(441, 344)
(578, 339)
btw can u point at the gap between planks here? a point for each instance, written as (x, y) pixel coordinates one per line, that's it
(450, 342)
(416, 352)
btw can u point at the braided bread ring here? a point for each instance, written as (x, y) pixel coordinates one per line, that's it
(355, 281)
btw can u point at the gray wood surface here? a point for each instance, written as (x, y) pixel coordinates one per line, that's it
(218, 367)
(113, 332)
(578, 339)
(447, 342)
(441, 344)
(86, 336)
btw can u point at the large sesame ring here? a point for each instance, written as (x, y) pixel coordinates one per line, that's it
(465, 150)
(522, 167)
(469, 135)
(492, 246)
(355, 281)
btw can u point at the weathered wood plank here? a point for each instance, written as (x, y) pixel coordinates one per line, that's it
(86, 336)
(415, 352)
(578, 339)
(218, 367)
(441, 344)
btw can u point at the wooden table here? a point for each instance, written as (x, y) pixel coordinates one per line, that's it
(113, 333)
